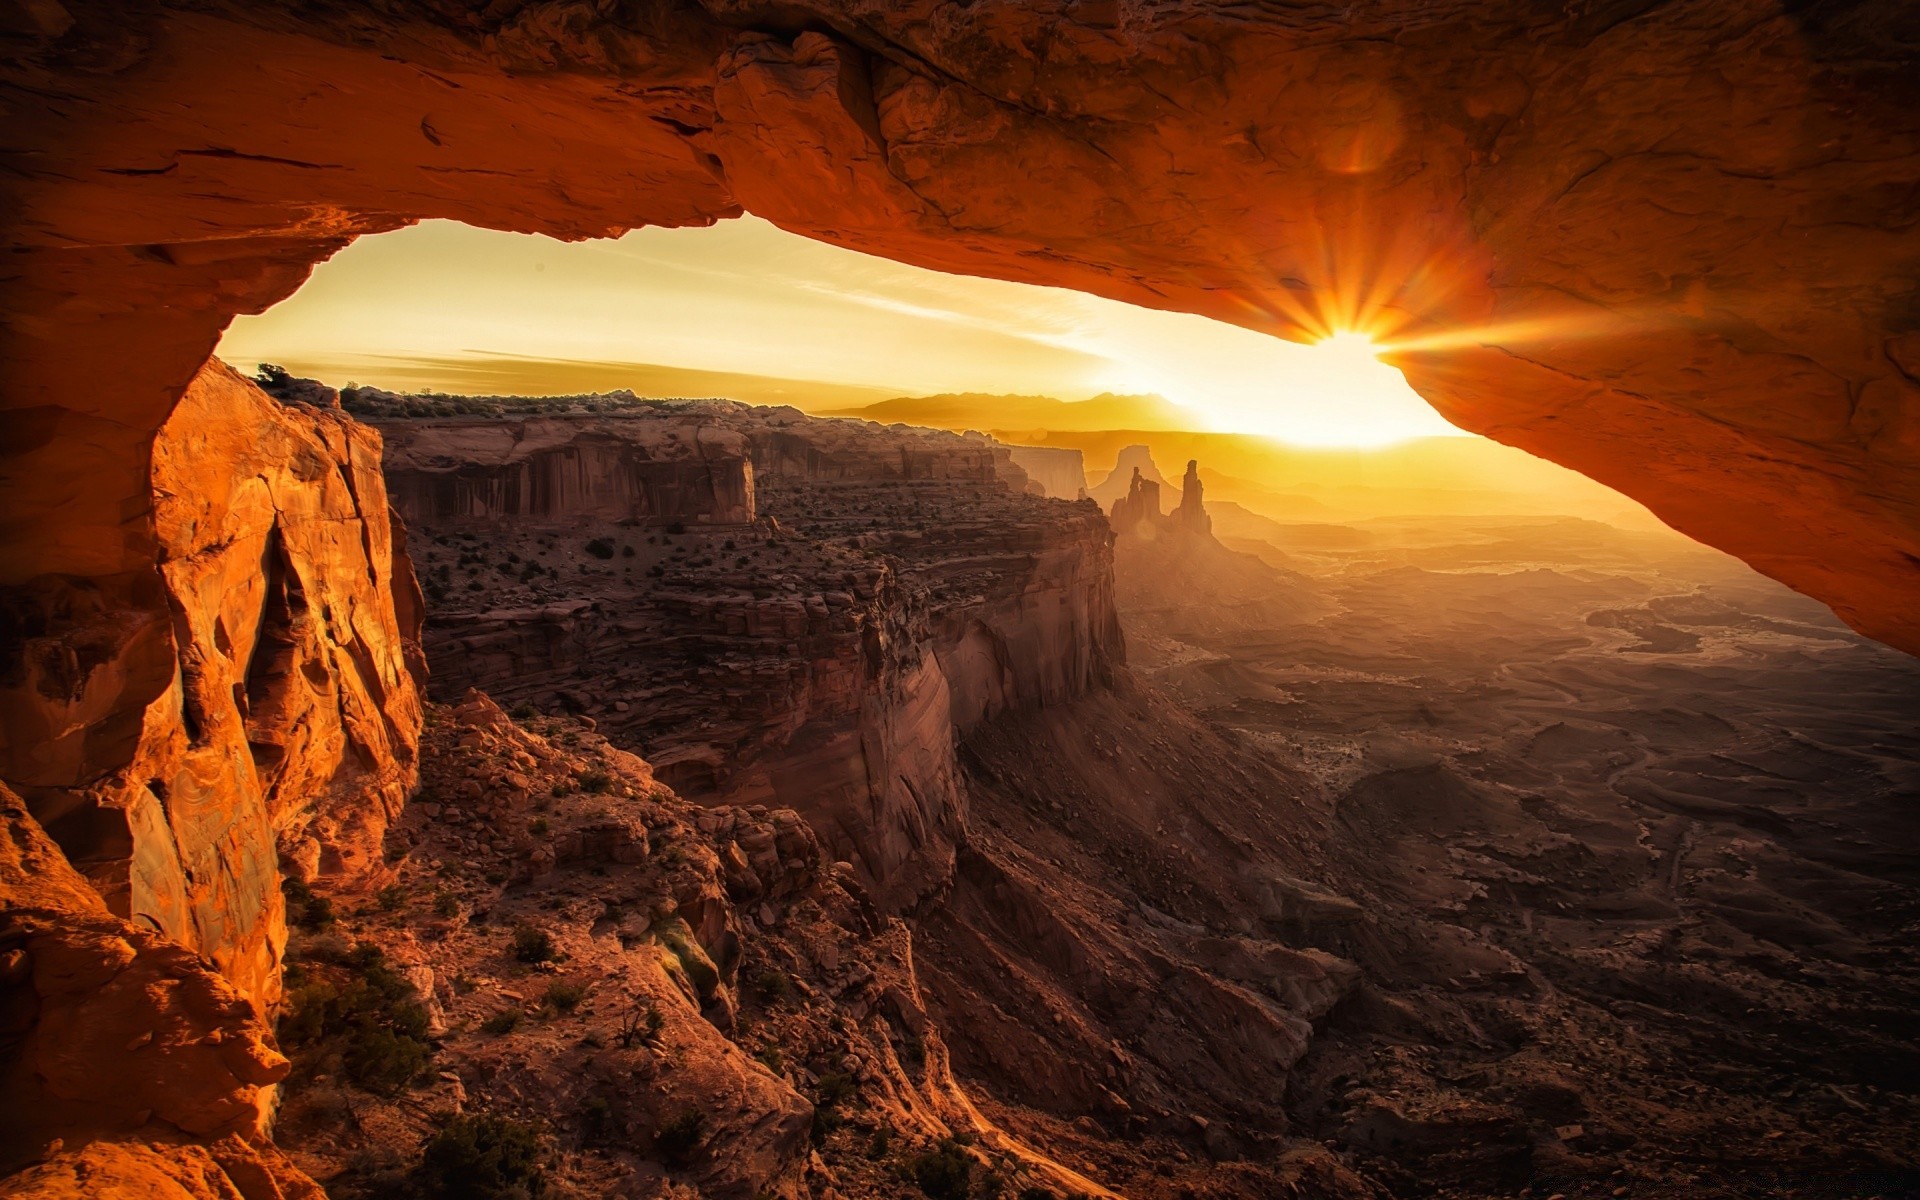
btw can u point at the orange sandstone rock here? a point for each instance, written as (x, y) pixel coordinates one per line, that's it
(1666, 245)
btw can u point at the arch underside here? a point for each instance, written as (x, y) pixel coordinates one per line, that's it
(1670, 246)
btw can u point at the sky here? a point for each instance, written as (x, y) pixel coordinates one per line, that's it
(748, 310)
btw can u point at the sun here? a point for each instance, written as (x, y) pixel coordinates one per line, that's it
(1349, 344)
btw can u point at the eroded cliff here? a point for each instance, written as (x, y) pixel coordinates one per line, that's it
(883, 590)
(262, 714)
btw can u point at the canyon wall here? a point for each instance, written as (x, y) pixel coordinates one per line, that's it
(264, 716)
(485, 469)
(888, 589)
(1058, 469)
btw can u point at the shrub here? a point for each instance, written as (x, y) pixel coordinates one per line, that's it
(376, 1021)
(626, 552)
(538, 827)
(679, 1138)
(446, 904)
(596, 1121)
(770, 1057)
(565, 997)
(600, 548)
(523, 711)
(501, 1023)
(771, 986)
(835, 1088)
(390, 898)
(483, 1158)
(944, 1172)
(1037, 1193)
(532, 945)
(305, 909)
(641, 1027)
(595, 782)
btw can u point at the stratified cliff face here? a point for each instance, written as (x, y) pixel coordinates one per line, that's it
(268, 719)
(560, 468)
(1060, 470)
(885, 590)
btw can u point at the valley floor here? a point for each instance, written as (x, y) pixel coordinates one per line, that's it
(1634, 831)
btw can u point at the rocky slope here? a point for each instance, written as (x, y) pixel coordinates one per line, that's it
(816, 638)
(678, 997)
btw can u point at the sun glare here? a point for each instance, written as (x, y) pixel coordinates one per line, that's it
(769, 310)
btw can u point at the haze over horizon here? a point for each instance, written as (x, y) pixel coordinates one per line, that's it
(747, 310)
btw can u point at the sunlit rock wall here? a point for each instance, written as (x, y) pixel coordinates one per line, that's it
(269, 718)
(553, 468)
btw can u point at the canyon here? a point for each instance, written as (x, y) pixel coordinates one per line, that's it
(906, 860)
(837, 841)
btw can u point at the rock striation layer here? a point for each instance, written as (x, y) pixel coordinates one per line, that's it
(884, 590)
(1573, 222)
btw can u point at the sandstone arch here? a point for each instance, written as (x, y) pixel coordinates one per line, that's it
(1681, 237)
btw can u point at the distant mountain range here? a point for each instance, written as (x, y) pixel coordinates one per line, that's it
(979, 410)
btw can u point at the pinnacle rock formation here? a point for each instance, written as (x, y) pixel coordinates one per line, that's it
(1568, 222)
(1139, 510)
(1191, 517)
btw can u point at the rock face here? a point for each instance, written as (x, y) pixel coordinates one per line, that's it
(885, 590)
(1059, 470)
(559, 469)
(150, 1066)
(1139, 509)
(268, 718)
(1571, 221)
(1118, 483)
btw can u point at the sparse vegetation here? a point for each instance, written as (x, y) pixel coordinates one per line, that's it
(501, 1023)
(483, 1157)
(640, 1028)
(532, 945)
(374, 1023)
(600, 548)
(595, 783)
(304, 909)
(772, 986)
(679, 1138)
(944, 1172)
(564, 997)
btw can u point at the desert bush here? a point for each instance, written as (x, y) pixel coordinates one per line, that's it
(944, 1172)
(600, 548)
(641, 1027)
(595, 782)
(501, 1023)
(564, 997)
(483, 1157)
(375, 1022)
(531, 945)
(772, 986)
(679, 1138)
